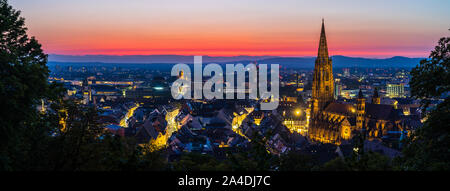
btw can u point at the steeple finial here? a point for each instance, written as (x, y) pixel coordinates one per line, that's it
(360, 94)
(375, 92)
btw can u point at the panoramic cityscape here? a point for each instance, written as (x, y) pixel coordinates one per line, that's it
(316, 107)
(245, 98)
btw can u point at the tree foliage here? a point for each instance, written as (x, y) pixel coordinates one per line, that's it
(431, 78)
(31, 140)
(23, 83)
(199, 162)
(359, 159)
(294, 161)
(429, 146)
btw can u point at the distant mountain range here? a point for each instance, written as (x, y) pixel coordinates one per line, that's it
(290, 62)
(147, 59)
(344, 62)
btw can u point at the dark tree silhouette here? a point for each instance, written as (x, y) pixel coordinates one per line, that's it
(431, 78)
(31, 140)
(429, 147)
(23, 82)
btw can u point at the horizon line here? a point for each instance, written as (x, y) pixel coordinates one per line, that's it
(227, 56)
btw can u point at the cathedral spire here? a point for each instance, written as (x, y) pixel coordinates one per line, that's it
(323, 47)
(360, 94)
(375, 93)
(323, 81)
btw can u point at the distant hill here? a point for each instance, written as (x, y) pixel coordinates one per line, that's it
(147, 59)
(397, 61)
(289, 62)
(344, 62)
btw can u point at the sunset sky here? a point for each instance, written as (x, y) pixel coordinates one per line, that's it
(236, 27)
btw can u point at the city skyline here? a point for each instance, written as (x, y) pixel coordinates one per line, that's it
(227, 86)
(255, 28)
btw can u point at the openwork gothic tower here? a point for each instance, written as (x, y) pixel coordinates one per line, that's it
(323, 81)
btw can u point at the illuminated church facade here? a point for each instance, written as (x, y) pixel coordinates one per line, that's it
(336, 122)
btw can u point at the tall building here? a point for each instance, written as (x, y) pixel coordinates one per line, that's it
(337, 90)
(336, 122)
(346, 72)
(395, 90)
(376, 98)
(323, 81)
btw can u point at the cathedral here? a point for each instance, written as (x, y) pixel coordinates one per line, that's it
(336, 122)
